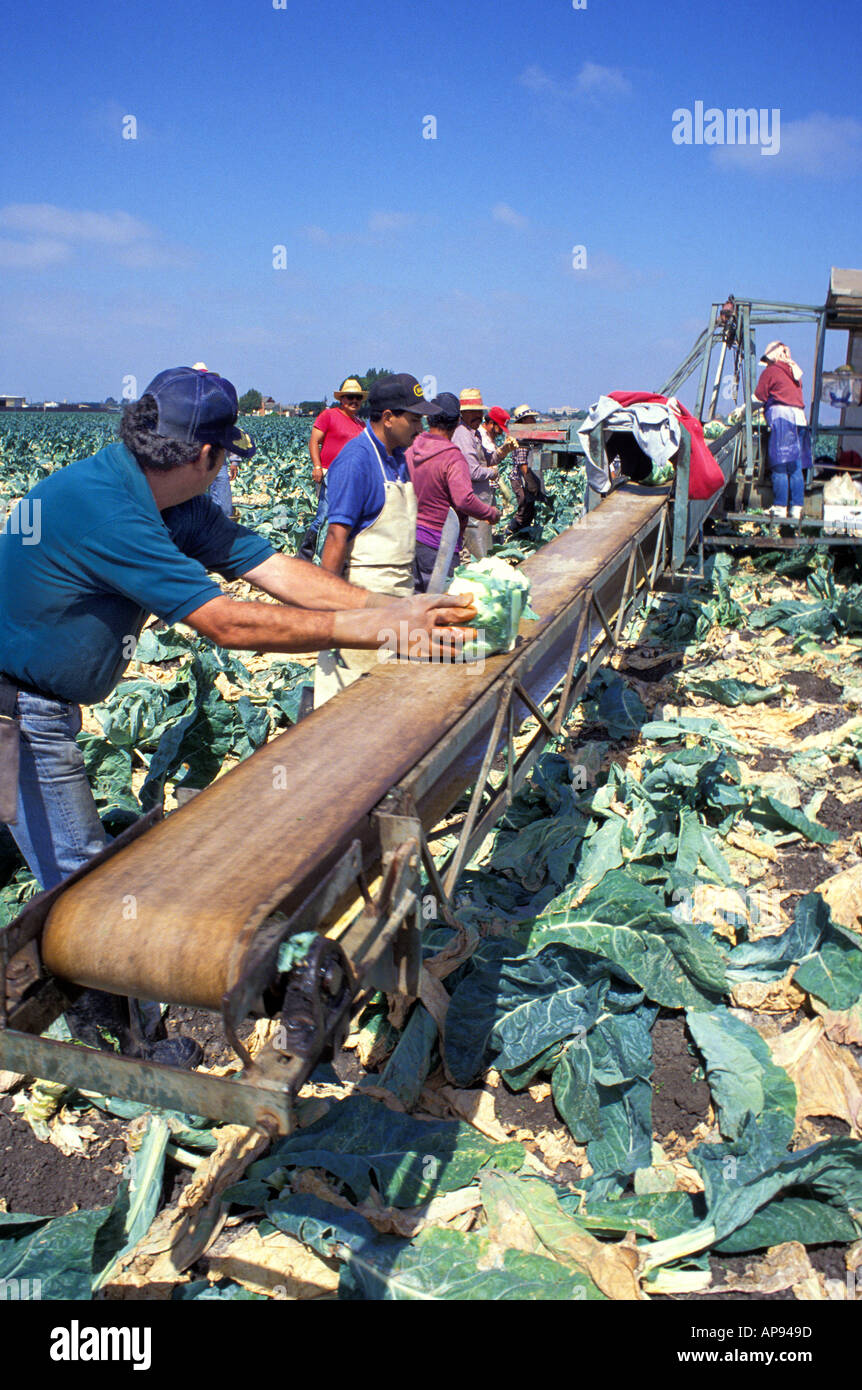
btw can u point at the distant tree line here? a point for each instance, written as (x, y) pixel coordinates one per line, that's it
(252, 400)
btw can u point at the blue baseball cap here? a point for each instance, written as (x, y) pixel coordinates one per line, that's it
(448, 405)
(199, 407)
(400, 393)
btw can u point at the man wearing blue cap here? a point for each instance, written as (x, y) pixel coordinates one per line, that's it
(123, 534)
(371, 537)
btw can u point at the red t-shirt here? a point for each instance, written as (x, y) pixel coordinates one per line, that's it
(337, 428)
(778, 386)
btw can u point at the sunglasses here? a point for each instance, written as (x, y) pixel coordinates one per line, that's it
(351, 398)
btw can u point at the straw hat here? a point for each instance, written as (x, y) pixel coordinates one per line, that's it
(350, 387)
(523, 412)
(471, 400)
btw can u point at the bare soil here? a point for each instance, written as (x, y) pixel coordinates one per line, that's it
(843, 816)
(802, 869)
(822, 721)
(207, 1029)
(36, 1177)
(818, 689)
(679, 1103)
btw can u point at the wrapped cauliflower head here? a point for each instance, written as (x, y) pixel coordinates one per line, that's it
(501, 595)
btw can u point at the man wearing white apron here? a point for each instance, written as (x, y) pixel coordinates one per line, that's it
(372, 514)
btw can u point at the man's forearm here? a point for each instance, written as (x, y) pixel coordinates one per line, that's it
(335, 547)
(266, 627)
(298, 582)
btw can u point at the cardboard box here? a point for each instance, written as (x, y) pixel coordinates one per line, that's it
(842, 520)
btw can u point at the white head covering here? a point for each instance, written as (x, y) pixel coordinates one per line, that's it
(780, 352)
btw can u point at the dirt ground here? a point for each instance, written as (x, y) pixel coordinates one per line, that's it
(679, 1103)
(37, 1177)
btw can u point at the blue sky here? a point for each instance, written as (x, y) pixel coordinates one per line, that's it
(302, 127)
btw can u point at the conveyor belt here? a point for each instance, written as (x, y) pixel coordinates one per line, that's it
(172, 916)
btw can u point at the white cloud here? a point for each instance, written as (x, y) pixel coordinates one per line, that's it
(593, 81)
(535, 79)
(46, 219)
(57, 233)
(389, 222)
(501, 212)
(379, 224)
(33, 255)
(818, 145)
(597, 81)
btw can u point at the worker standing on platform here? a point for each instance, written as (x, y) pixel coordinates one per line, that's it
(371, 537)
(441, 479)
(483, 474)
(332, 429)
(780, 392)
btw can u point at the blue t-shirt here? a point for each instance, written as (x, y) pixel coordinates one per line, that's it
(87, 557)
(354, 483)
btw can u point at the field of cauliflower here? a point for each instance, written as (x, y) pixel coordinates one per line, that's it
(649, 1081)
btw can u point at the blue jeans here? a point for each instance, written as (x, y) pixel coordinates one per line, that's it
(58, 826)
(308, 549)
(787, 482)
(788, 444)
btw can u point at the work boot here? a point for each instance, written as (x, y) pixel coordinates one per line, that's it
(99, 1020)
(180, 1051)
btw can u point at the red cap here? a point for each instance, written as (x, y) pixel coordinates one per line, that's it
(499, 416)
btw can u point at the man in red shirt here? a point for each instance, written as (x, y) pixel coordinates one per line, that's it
(329, 434)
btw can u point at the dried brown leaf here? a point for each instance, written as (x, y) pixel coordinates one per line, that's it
(775, 996)
(752, 845)
(782, 1267)
(182, 1232)
(477, 1107)
(275, 1264)
(827, 1077)
(843, 892)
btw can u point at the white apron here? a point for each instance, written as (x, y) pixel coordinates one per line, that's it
(380, 558)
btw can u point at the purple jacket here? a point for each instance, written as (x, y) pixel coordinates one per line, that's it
(441, 479)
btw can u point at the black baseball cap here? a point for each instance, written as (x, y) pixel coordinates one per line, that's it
(449, 405)
(399, 393)
(199, 407)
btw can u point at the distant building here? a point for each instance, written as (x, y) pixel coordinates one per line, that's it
(12, 402)
(74, 406)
